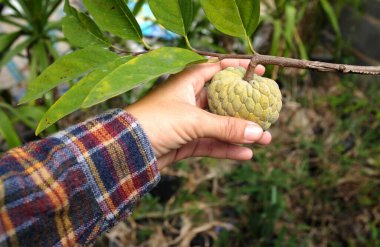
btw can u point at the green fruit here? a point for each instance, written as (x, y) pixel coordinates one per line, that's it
(258, 100)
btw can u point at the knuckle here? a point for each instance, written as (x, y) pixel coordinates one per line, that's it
(194, 121)
(230, 128)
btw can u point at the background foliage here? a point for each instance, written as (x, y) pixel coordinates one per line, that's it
(316, 185)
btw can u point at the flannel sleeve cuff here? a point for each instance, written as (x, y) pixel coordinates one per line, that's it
(118, 162)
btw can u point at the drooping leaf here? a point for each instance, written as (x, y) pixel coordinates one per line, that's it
(52, 50)
(175, 15)
(166, 60)
(52, 8)
(16, 50)
(290, 12)
(6, 40)
(238, 18)
(28, 114)
(276, 37)
(301, 46)
(33, 66)
(68, 68)
(329, 10)
(40, 52)
(280, 6)
(7, 131)
(139, 5)
(115, 17)
(73, 99)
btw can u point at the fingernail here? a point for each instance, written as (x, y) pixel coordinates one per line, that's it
(253, 132)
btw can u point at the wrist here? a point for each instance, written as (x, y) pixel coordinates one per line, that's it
(141, 116)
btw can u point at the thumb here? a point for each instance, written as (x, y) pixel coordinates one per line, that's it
(230, 129)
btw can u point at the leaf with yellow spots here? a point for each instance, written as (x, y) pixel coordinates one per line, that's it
(146, 67)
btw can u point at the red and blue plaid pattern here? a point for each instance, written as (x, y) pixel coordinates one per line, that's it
(67, 189)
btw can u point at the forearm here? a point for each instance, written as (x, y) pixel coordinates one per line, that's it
(70, 187)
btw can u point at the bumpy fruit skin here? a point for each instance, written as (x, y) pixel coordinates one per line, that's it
(258, 100)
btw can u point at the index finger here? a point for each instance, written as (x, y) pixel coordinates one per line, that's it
(202, 73)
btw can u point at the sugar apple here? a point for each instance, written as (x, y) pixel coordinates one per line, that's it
(258, 100)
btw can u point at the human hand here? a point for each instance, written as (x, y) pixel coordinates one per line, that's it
(178, 127)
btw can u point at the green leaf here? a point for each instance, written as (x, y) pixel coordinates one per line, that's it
(52, 8)
(81, 31)
(115, 17)
(16, 50)
(15, 113)
(68, 68)
(238, 18)
(40, 52)
(290, 12)
(30, 115)
(27, 114)
(141, 69)
(73, 99)
(276, 37)
(33, 67)
(69, 10)
(175, 15)
(301, 46)
(10, 20)
(52, 50)
(6, 40)
(332, 16)
(139, 5)
(8, 132)
(280, 6)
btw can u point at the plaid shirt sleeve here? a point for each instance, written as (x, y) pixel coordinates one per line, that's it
(67, 189)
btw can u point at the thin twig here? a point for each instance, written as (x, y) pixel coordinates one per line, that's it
(290, 62)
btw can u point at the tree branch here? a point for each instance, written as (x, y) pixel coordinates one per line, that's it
(290, 63)
(300, 64)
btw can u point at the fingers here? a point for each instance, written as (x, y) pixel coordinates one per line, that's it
(260, 70)
(201, 73)
(204, 72)
(229, 129)
(216, 149)
(265, 139)
(206, 147)
(202, 101)
(222, 150)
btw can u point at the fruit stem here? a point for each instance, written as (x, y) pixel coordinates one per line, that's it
(251, 69)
